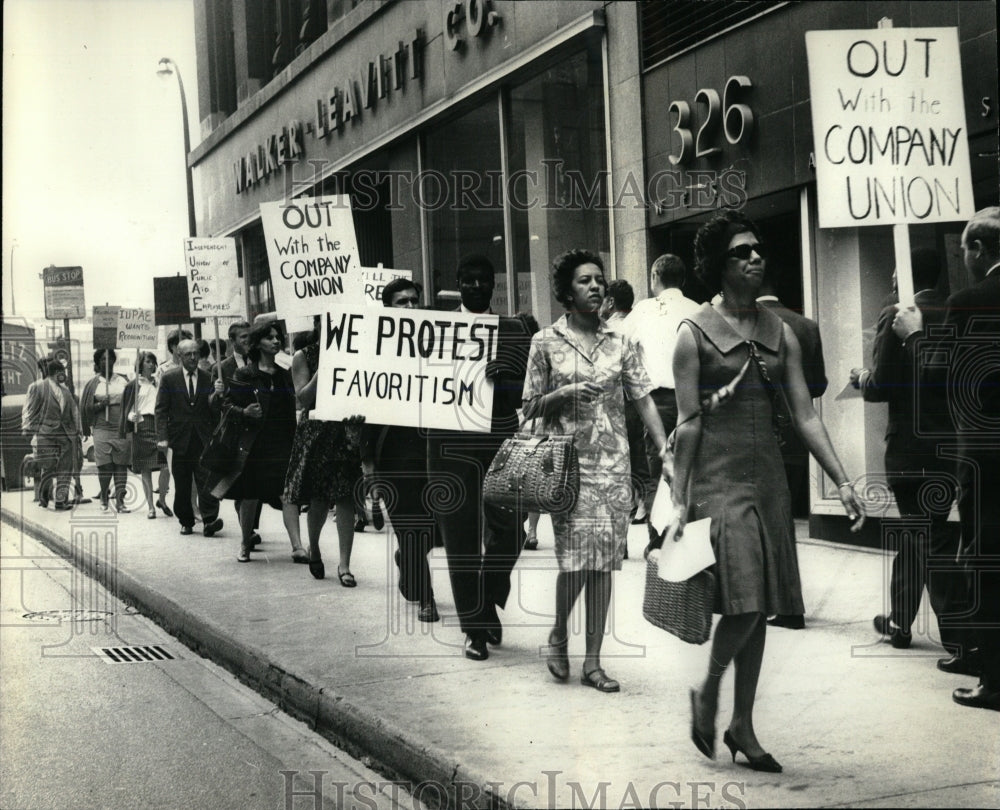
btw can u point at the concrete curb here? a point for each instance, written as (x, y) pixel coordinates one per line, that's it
(431, 775)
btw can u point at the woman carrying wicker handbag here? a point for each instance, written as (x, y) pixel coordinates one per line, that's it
(728, 466)
(577, 369)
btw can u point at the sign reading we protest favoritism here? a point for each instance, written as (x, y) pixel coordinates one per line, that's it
(889, 127)
(407, 367)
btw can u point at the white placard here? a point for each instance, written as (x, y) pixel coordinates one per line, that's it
(313, 255)
(213, 282)
(411, 367)
(374, 279)
(889, 126)
(137, 329)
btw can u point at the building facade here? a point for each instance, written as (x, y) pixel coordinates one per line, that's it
(522, 129)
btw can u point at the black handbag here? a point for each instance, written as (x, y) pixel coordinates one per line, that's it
(534, 474)
(221, 453)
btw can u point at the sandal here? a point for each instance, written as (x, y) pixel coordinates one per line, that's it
(558, 658)
(317, 569)
(300, 555)
(346, 578)
(151, 514)
(244, 555)
(530, 542)
(599, 680)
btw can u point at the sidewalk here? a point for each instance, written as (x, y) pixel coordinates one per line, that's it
(853, 721)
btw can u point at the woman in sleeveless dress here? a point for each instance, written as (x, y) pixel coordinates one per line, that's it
(728, 467)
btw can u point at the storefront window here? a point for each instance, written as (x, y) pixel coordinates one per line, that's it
(558, 192)
(460, 193)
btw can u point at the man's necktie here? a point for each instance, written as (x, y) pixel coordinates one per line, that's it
(191, 387)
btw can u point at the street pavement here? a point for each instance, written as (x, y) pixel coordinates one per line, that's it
(853, 721)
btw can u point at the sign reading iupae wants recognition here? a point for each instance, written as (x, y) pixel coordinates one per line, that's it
(137, 328)
(213, 281)
(407, 367)
(312, 253)
(889, 127)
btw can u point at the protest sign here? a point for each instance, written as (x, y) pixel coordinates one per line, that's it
(374, 279)
(170, 301)
(407, 367)
(889, 127)
(136, 329)
(105, 327)
(313, 255)
(213, 283)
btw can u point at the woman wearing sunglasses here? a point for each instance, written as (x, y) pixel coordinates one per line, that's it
(729, 467)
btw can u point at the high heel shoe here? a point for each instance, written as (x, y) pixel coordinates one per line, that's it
(557, 659)
(317, 569)
(703, 743)
(765, 762)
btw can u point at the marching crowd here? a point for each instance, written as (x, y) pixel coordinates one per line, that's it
(706, 393)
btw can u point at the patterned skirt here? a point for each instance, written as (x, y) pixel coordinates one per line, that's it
(145, 455)
(325, 465)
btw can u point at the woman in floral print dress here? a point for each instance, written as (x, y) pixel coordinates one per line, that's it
(576, 373)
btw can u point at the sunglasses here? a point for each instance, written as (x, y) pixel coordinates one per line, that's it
(743, 252)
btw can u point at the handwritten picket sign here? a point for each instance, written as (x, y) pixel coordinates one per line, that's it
(889, 126)
(312, 252)
(213, 283)
(418, 368)
(136, 329)
(374, 279)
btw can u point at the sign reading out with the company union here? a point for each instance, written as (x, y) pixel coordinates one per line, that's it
(313, 254)
(889, 127)
(407, 367)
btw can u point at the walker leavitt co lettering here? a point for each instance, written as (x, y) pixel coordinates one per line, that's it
(344, 105)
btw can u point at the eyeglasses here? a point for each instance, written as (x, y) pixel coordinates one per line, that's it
(743, 252)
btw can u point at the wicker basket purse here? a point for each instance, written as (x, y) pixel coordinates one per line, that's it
(534, 474)
(683, 609)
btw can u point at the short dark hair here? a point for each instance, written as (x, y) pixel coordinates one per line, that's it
(99, 358)
(259, 332)
(563, 269)
(395, 286)
(711, 244)
(985, 226)
(474, 261)
(669, 270)
(926, 267)
(620, 291)
(235, 327)
(175, 337)
(204, 350)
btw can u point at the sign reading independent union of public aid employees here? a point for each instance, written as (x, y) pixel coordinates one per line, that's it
(63, 293)
(213, 282)
(407, 367)
(889, 127)
(313, 254)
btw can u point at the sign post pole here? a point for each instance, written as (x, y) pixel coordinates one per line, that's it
(69, 355)
(218, 358)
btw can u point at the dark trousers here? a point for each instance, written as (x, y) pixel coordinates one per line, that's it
(979, 513)
(403, 482)
(56, 455)
(926, 555)
(482, 542)
(186, 470)
(637, 453)
(666, 405)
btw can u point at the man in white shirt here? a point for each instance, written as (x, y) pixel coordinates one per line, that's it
(652, 326)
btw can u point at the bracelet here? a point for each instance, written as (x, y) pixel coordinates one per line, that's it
(845, 484)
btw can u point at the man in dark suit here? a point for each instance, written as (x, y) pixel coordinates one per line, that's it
(793, 451)
(482, 542)
(966, 356)
(184, 422)
(912, 465)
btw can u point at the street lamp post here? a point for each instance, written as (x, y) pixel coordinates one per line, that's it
(13, 284)
(169, 66)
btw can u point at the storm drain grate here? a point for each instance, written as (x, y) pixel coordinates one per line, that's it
(133, 655)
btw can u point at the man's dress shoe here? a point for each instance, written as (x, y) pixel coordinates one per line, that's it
(967, 664)
(212, 527)
(978, 698)
(187, 530)
(791, 622)
(475, 648)
(896, 636)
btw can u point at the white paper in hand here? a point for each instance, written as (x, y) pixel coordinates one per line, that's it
(681, 560)
(662, 509)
